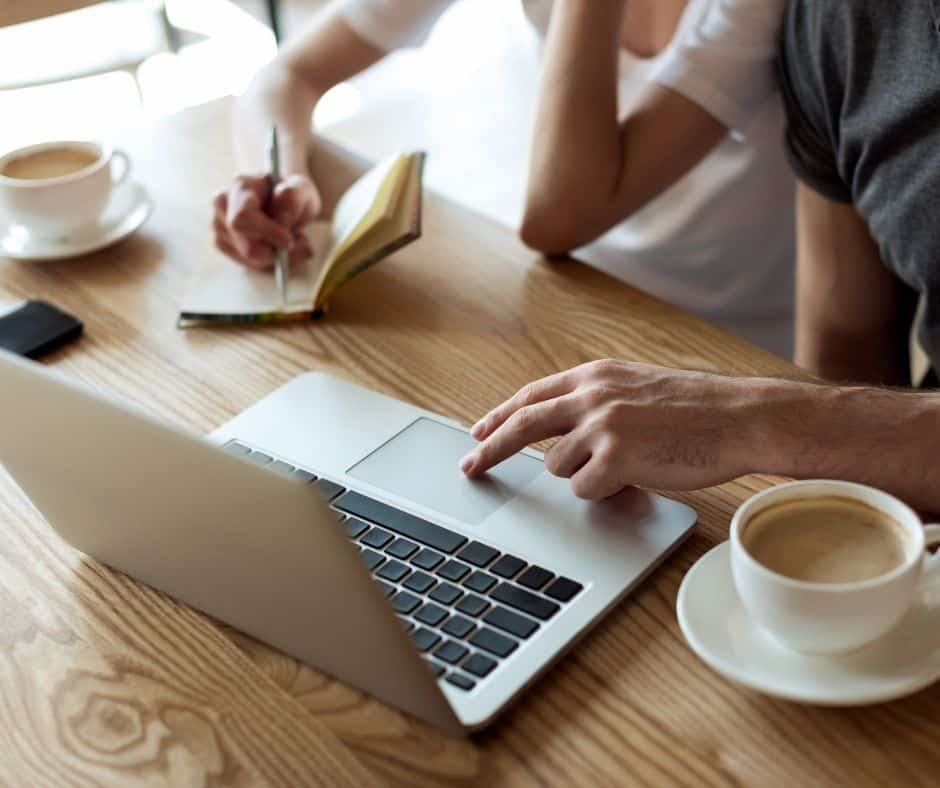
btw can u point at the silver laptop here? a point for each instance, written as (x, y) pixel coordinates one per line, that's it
(333, 523)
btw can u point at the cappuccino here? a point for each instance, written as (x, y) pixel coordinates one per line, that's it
(49, 163)
(825, 540)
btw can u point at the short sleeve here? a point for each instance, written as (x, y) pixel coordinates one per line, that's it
(393, 24)
(809, 143)
(722, 57)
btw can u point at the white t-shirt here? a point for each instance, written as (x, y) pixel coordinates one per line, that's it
(719, 242)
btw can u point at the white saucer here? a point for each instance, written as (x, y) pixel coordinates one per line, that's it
(128, 208)
(722, 633)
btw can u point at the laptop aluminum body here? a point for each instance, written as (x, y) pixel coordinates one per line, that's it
(259, 548)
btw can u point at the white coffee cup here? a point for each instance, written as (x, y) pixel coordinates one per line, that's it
(832, 618)
(56, 207)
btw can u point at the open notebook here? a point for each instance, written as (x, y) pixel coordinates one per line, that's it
(377, 215)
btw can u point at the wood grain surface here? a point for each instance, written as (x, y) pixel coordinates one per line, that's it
(13, 12)
(104, 681)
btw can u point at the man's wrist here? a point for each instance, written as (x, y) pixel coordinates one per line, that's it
(786, 426)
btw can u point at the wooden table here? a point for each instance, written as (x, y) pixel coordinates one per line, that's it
(106, 682)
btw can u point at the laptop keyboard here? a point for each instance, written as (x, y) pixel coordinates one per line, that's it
(466, 605)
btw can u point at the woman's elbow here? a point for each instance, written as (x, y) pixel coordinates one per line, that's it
(548, 232)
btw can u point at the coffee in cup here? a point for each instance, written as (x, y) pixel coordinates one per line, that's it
(49, 163)
(55, 189)
(826, 567)
(825, 540)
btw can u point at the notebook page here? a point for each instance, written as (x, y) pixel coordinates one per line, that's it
(382, 239)
(222, 287)
(369, 200)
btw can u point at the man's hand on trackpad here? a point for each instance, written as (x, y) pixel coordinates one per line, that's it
(621, 424)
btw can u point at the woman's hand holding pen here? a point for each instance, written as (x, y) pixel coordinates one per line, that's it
(249, 225)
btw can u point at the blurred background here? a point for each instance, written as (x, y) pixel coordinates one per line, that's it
(466, 96)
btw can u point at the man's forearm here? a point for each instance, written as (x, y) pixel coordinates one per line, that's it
(882, 437)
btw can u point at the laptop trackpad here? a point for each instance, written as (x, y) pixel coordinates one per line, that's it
(420, 464)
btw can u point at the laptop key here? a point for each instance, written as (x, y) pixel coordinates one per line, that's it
(446, 594)
(534, 577)
(479, 665)
(234, 447)
(436, 668)
(427, 559)
(401, 522)
(420, 582)
(431, 614)
(355, 528)
(563, 589)
(402, 548)
(510, 622)
(377, 538)
(522, 600)
(451, 652)
(508, 566)
(405, 602)
(387, 589)
(459, 627)
(460, 681)
(260, 458)
(394, 571)
(493, 642)
(304, 476)
(371, 558)
(472, 605)
(281, 467)
(328, 489)
(453, 570)
(480, 582)
(425, 639)
(478, 554)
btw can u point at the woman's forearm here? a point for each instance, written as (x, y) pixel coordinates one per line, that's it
(286, 91)
(576, 143)
(276, 96)
(590, 170)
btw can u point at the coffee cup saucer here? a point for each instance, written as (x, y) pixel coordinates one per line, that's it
(127, 209)
(723, 634)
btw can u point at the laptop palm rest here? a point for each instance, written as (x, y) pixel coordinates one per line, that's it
(420, 464)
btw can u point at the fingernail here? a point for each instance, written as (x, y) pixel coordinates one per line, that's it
(477, 428)
(466, 463)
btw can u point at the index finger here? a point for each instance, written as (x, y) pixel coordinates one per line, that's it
(529, 424)
(295, 202)
(538, 391)
(247, 218)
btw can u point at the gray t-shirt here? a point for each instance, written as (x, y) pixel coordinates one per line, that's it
(861, 83)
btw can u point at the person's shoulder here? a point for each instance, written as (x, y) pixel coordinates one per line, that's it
(723, 30)
(722, 57)
(392, 24)
(814, 13)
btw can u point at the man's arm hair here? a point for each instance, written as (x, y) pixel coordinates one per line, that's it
(589, 170)
(327, 52)
(853, 316)
(882, 437)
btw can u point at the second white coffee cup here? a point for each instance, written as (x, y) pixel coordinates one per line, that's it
(832, 618)
(56, 207)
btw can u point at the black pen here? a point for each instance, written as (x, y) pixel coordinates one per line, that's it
(281, 263)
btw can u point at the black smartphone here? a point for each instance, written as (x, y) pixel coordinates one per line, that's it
(37, 328)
